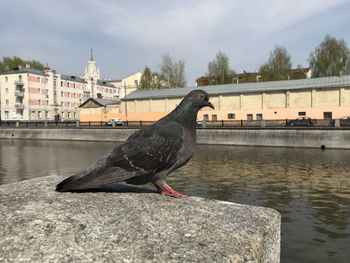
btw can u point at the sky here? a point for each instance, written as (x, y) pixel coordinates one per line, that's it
(126, 36)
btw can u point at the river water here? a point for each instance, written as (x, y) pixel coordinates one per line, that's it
(309, 187)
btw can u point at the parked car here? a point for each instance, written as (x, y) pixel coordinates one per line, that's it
(301, 121)
(114, 122)
(345, 121)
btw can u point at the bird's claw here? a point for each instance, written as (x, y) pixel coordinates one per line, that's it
(173, 194)
(166, 190)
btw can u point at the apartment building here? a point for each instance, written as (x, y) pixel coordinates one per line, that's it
(30, 94)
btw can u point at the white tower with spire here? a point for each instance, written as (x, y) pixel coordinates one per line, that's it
(91, 71)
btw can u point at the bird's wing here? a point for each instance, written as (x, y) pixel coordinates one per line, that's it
(146, 152)
(149, 150)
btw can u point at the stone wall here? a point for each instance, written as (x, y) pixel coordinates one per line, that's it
(311, 138)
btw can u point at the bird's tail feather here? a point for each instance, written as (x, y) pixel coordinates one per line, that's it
(68, 183)
(95, 176)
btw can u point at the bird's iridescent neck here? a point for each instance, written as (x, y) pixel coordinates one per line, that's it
(185, 114)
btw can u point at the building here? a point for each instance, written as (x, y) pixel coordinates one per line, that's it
(126, 85)
(92, 72)
(246, 77)
(99, 110)
(249, 77)
(317, 98)
(30, 94)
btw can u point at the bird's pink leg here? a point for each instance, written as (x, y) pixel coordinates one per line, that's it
(165, 190)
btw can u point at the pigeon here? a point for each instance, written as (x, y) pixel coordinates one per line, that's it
(150, 154)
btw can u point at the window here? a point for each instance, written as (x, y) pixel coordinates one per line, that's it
(259, 116)
(6, 114)
(20, 78)
(249, 117)
(39, 114)
(136, 82)
(39, 102)
(231, 116)
(7, 91)
(38, 79)
(99, 95)
(206, 117)
(39, 91)
(327, 115)
(7, 102)
(68, 115)
(214, 117)
(6, 79)
(46, 114)
(33, 114)
(302, 113)
(61, 83)
(61, 93)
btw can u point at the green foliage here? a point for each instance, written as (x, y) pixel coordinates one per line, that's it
(330, 58)
(9, 63)
(173, 71)
(146, 79)
(278, 67)
(219, 71)
(151, 80)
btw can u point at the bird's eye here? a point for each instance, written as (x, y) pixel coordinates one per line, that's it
(201, 96)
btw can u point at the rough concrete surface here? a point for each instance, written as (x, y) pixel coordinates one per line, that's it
(38, 224)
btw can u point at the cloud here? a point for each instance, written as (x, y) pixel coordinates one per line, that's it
(163, 24)
(128, 35)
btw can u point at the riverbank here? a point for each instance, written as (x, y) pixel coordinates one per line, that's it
(311, 138)
(38, 224)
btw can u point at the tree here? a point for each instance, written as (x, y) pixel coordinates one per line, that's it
(146, 79)
(330, 58)
(219, 70)
(173, 71)
(9, 63)
(151, 80)
(278, 66)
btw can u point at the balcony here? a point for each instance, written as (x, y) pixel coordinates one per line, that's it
(19, 94)
(19, 106)
(19, 83)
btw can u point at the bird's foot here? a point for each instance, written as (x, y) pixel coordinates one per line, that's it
(165, 190)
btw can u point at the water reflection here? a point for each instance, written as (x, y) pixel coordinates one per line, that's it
(311, 188)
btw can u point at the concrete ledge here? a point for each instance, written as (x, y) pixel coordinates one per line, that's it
(311, 138)
(38, 224)
(118, 135)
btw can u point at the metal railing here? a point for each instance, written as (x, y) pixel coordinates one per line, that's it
(19, 106)
(19, 93)
(229, 124)
(19, 83)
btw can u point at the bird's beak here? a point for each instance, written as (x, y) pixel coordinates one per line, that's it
(208, 104)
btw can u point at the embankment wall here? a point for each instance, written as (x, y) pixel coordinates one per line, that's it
(311, 138)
